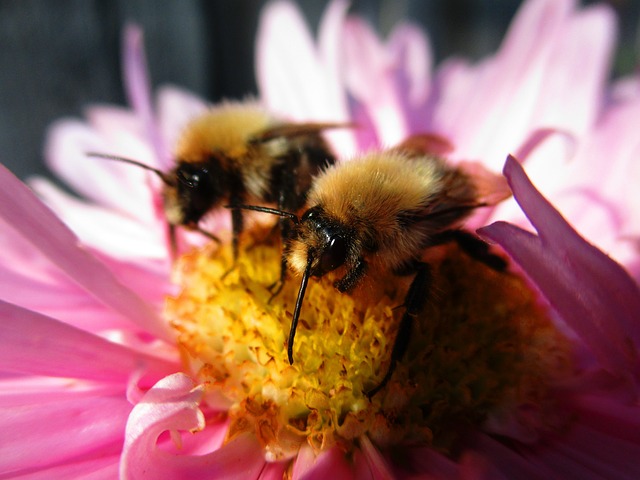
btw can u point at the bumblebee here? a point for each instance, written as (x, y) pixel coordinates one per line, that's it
(378, 214)
(238, 153)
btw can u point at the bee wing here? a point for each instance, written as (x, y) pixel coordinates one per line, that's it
(424, 143)
(289, 130)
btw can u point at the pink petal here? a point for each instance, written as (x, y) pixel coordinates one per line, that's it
(105, 468)
(27, 289)
(109, 183)
(592, 293)
(331, 463)
(526, 84)
(568, 101)
(273, 471)
(173, 405)
(138, 87)
(609, 416)
(35, 223)
(588, 453)
(108, 231)
(377, 464)
(293, 79)
(413, 59)
(176, 107)
(57, 433)
(369, 77)
(35, 344)
(431, 463)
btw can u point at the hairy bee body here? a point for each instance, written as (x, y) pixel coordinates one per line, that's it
(388, 204)
(235, 153)
(379, 214)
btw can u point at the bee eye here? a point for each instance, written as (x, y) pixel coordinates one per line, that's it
(190, 177)
(334, 254)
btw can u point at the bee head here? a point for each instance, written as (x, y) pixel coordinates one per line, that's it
(195, 188)
(320, 242)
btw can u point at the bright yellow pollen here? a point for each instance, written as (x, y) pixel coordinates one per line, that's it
(482, 347)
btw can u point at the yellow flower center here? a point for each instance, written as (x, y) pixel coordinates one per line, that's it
(482, 347)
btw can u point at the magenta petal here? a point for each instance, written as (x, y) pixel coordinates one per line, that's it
(173, 405)
(377, 464)
(330, 464)
(21, 209)
(138, 87)
(104, 468)
(592, 293)
(36, 436)
(35, 344)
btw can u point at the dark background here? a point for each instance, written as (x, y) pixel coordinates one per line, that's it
(58, 55)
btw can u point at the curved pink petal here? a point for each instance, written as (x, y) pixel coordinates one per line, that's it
(592, 293)
(20, 208)
(35, 344)
(38, 437)
(138, 88)
(173, 405)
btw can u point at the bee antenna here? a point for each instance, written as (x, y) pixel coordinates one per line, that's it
(298, 307)
(163, 176)
(274, 211)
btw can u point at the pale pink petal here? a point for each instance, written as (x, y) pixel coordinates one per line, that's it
(369, 76)
(411, 50)
(104, 229)
(43, 436)
(176, 107)
(138, 88)
(20, 208)
(330, 47)
(569, 101)
(39, 345)
(332, 463)
(308, 92)
(173, 405)
(110, 183)
(592, 293)
(525, 85)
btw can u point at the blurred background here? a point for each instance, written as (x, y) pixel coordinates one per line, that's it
(59, 55)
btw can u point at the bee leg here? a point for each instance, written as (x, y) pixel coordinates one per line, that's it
(276, 287)
(413, 302)
(475, 247)
(207, 234)
(352, 277)
(173, 242)
(236, 230)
